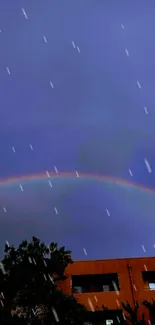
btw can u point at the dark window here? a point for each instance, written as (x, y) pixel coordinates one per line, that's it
(110, 317)
(95, 283)
(149, 280)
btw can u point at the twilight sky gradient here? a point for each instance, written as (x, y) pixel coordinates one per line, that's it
(92, 121)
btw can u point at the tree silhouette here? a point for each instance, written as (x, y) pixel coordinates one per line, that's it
(28, 279)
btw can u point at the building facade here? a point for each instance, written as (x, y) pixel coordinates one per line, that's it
(110, 282)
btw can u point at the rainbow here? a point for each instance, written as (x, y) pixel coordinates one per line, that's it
(73, 175)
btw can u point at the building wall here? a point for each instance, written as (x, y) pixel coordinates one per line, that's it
(142, 292)
(112, 299)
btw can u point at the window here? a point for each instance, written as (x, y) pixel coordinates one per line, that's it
(152, 286)
(95, 283)
(149, 280)
(106, 288)
(78, 289)
(110, 317)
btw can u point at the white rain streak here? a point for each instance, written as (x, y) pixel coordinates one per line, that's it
(91, 305)
(13, 149)
(34, 261)
(78, 49)
(2, 295)
(122, 26)
(143, 248)
(130, 172)
(7, 243)
(55, 314)
(2, 303)
(33, 311)
(77, 174)
(47, 173)
(117, 319)
(85, 251)
(108, 213)
(124, 316)
(149, 322)
(73, 44)
(4, 209)
(24, 13)
(118, 304)
(146, 111)
(45, 277)
(45, 263)
(154, 245)
(51, 83)
(134, 287)
(56, 211)
(31, 147)
(8, 70)
(115, 287)
(30, 260)
(45, 39)
(139, 85)
(21, 187)
(2, 268)
(147, 166)
(127, 52)
(145, 267)
(95, 298)
(55, 169)
(50, 184)
(51, 279)
(0, 30)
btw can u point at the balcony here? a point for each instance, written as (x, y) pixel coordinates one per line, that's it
(95, 283)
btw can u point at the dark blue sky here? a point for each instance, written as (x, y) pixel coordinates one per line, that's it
(93, 121)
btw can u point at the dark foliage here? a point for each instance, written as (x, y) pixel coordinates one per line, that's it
(28, 278)
(132, 314)
(130, 317)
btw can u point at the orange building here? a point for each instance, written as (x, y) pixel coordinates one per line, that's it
(109, 282)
